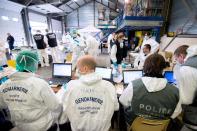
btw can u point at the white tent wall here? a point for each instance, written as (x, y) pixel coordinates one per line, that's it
(176, 43)
(13, 25)
(57, 28)
(37, 21)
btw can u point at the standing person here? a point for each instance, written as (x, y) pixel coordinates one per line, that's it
(89, 102)
(92, 46)
(77, 47)
(151, 97)
(188, 89)
(149, 40)
(41, 46)
(10, 40)
(139, 61)
(32, 104)
(179, 56)
(52, 42)
(117, 50)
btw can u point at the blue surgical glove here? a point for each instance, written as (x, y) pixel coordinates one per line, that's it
(123, 65)
(115, 65)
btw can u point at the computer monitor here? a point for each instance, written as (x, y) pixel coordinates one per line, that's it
(62, 70)
(130, 75)
(106, 73)
(169, 75)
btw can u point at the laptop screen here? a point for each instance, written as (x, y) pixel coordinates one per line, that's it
(62, 70)
(104, 72)
(130, 75)
(169, 75)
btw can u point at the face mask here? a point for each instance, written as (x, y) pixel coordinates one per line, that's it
(146, 37)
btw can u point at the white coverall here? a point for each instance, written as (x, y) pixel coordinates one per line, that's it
(89, 103)
(141, 59)
(187, 79)
(92, 46)
(77, 48)
(153, 43)
(32, 104)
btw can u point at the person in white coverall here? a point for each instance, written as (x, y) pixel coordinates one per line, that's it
(147, 96)
(92, 46)
(188, 86)
(77, 47)
(30, 100)
(179, 56)
(139, 61)
(89, 102)
(152, 42)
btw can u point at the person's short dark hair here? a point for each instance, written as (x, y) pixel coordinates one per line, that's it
(147, 46)
(148, 33)
(154, 65)
(181, 50)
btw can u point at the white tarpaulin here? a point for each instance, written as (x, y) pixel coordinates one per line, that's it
(89, 29)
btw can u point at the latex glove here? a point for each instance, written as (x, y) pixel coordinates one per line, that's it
(115, 65)
(123, 65)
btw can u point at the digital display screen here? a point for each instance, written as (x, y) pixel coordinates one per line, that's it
(62, 69)
(104, 72)
(169, 75)
(131, 75)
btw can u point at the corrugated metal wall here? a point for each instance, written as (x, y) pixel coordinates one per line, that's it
(87, 16)
(181, 15)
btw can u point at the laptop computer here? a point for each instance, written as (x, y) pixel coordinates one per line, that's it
(106, 73)
(61, 73)
(130, 75)
(169, 75)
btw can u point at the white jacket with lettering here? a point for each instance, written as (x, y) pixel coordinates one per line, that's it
(89, 103)
(31, 102)
(152, 84)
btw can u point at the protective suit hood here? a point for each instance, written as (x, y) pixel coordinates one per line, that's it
(191, 51)
(154, 84)
(20, 76)
(90, 79)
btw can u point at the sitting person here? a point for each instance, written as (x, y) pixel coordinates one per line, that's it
(89, 102)
(151, 97)
(30, 100)
(139, 61)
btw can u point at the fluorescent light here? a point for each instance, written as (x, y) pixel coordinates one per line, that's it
(15, 19)
(5, 18)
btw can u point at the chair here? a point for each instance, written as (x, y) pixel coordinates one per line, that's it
(142, 124)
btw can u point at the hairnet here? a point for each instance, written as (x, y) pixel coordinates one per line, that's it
(27, 61)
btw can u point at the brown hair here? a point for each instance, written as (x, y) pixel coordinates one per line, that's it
(147, 46)
(154, 65)
(181, 50)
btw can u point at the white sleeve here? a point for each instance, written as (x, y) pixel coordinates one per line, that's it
(116, 103)
(2, 103)
(50, 100)
(113, 53)
(127, 96)
(137, 59)
(177, 110)
(187, 84)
